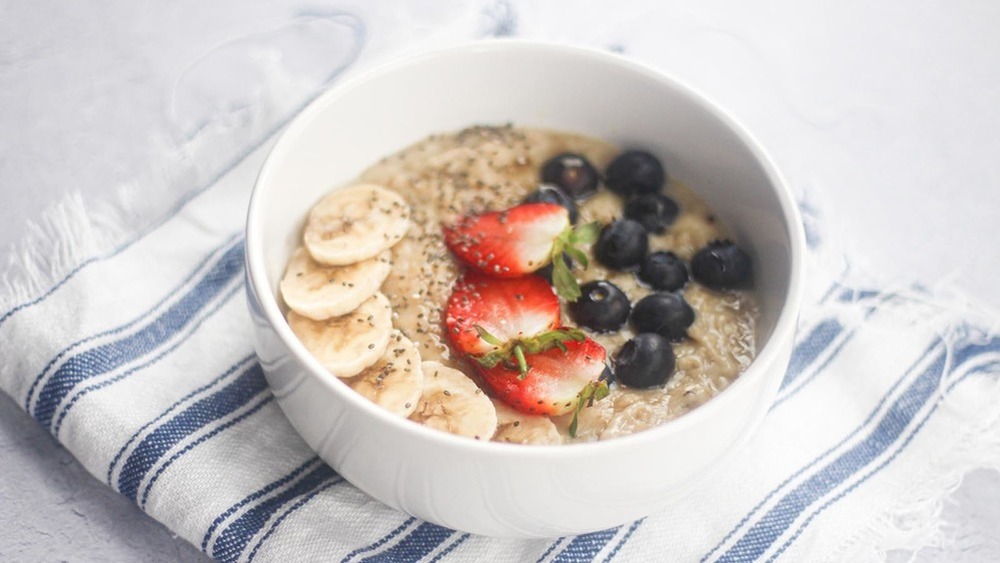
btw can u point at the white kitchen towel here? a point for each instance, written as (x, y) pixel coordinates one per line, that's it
(138, 360)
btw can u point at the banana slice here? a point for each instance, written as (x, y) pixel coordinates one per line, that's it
(452, 402)
(356, 223)
(347, 344)
(518, 428)
(319, 292)
(395, 381)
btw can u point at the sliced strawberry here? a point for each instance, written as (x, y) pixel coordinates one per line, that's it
(520, 240)
(560, 380)
(508, 309)
(508, 243)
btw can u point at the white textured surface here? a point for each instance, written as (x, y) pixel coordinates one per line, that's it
(886, 115)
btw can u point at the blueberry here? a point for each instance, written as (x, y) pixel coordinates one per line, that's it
(663, 271)
(602, 307)
(551, 194)
(572, 173)
(635, 172)
(645, 361)
(656, 211)
(721, 265)
(622, 244)
(666, 314)
(607, 375)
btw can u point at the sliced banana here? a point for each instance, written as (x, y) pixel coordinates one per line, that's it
(518, 428)
(356, 223)
(395, 381)
(319, 291)
(347, 344)
(452, 402)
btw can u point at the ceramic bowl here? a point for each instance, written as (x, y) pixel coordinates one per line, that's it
(504, 489)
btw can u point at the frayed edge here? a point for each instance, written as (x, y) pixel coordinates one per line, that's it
(79, 228)
(73, 230)
(915, 521)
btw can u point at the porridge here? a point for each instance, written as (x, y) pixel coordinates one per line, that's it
(532, 299)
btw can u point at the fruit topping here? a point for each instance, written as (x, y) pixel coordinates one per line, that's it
(602, 307)
(645, 361)
(721, 265)
(452, 402)
(664, 271)
(500, 320)
(561, 380)
(635, 172)
(521, 240)
(548, 193)
(666, 314)
(622, 244)
(572, 173)
(654, 211)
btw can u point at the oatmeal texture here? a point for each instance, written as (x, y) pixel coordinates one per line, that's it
(491, 168)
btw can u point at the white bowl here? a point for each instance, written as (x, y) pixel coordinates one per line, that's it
(503, 489)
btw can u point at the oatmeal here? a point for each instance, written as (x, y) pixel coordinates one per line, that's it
(446, 178)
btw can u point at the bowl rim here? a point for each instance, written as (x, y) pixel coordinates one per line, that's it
(257, 278)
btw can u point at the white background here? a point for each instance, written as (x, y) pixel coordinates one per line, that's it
(884, 117)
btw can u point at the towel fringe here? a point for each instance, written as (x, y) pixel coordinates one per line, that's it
(915, 522)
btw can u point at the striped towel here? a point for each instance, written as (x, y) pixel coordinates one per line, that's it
(138, 360)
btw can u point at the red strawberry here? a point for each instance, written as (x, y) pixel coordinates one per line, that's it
(561, 379)
(506, 308)
(520, 240)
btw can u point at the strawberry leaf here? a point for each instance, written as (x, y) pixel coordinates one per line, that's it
(522, 364)
(489, 338)
(586, 234)
(512, 353)
(564, 281)
(578, 255)
(566, 245)
(593, 391)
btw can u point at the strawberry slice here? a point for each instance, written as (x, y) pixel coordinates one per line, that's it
(493, 320)
(520, 240)
(561, 379)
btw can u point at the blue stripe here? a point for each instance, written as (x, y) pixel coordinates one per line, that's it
(868, 420)
(415, 546)
(813, 345)
(181, 203)
(252, 497)
(287, 513)
(105, 358)
(164, 414)
(399, 529)
(964, 354)
(551, 548)
(267, 399)
(621, 543)
(189, 331)
(789, 393)
(450, 548)
(233, 540)
(211, 408)
(774, 523)
(584, 547)
(130, 324)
